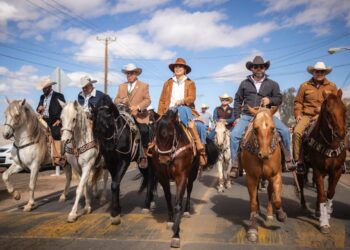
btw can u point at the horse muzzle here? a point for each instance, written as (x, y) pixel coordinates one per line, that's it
(263, 156)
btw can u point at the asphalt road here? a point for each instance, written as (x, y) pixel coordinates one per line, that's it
(218, 221)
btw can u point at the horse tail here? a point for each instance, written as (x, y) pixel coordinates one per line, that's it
(212, 152)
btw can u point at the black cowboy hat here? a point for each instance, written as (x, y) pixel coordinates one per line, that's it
(258, 60)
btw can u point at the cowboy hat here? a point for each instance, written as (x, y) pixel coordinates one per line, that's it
(182, 62)
(319, 66)
(226, 97)
(258, 60)
(85, 80)
(45, 82)
(150, 107)
(131, 67)
(204, 106)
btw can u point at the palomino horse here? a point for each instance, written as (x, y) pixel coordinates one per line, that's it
(222, 141)
(173, 158)
(324, 151)
(82, 154)
(119, 142)
(30, 149)
(260, 156)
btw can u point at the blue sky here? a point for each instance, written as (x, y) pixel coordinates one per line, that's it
(215, 37)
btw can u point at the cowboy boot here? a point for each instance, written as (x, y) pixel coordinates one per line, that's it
(288, 165)
(56, 153)
(199, 146)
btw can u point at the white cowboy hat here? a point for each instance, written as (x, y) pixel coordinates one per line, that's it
(319, 66)
(227, 97)
(44, 83)
(204, 106)
(85, 80)
(150, 107)
(131, 67)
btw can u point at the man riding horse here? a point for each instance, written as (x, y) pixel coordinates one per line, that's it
(179, 93)
(307, 105)
(135, 95)
(257, 90)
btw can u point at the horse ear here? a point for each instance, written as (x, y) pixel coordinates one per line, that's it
(8, 100)
(339, 93)
(273, 110)
(62, 103)
(76, 104)
(252, 110)
(23, 102)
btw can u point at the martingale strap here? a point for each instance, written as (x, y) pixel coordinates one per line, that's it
(81, 150)
(21, 147)
(322, 149)
(252, 146)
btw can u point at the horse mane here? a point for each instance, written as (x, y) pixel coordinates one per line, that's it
(34, 127)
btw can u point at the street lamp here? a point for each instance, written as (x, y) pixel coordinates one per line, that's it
(335, 50)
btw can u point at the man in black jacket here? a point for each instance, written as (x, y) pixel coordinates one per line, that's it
(254, 91)
(51, 110)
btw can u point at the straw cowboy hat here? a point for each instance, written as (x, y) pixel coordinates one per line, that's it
(226, 97)
(131, 67)
(150, 108)
(258, 60)
(204, 106)
(85, 80)
(182, 62)
(44, 83)
(319, 66)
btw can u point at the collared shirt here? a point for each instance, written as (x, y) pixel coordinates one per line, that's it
(46, 103)
(131, 86)
(206, 117)
(257, 83)
(86, 100)
(178, 91)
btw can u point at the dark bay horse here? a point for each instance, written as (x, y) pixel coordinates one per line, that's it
(324, 150)
(261, 157)
(173, 158)
(116, 135)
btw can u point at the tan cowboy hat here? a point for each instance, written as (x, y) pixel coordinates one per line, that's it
(182, 62)
(131, 67)
(150, 107)
(226, 97)
(204, 106)
(44, 83)
(85, 80)
(319, 66)
(258, 60)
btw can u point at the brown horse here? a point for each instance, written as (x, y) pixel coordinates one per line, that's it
(173, 158)
(261, 157)
(324, 151)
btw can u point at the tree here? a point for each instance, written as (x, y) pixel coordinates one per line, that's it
(287, 107)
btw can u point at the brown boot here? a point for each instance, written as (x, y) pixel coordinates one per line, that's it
(199, 146)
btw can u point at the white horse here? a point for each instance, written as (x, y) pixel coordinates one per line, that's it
(82, 154)
(222, 141)
(30, 149)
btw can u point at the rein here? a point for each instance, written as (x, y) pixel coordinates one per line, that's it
(22, 147)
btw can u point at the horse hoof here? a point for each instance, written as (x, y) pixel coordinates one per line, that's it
(145, 211)
(71, 218)
(27, 208)
(252, 235)
(187, 215)
(228, 184)
(87, 210)
(116, 220)
(153, 205)
(220, 189)
(169, 225)
(175, 242)
(281, 216)
(16, 195)
(62, 198)
(325, 229)
(103, 201)
(269, 219)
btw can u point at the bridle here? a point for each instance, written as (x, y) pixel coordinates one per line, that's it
(173, 147)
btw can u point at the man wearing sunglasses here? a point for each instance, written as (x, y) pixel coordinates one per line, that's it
(307, 104)
(257, 90)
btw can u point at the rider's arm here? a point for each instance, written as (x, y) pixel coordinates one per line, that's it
(276, 97)
(298, 102)
(146, 99)
(117, 99)
(190, 94)
(238, 101)
(162, 100)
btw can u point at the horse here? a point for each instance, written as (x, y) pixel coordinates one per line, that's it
(173, 158)
(82, 154)
(324, 150)
(119, 141)
(222, 141)
(30, 148)
(260, 155)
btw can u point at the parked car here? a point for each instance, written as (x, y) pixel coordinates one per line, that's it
(5, 155)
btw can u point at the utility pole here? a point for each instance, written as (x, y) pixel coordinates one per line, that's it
(106, 40)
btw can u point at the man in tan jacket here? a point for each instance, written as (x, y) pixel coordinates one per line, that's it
(308, 103)
(135, 95)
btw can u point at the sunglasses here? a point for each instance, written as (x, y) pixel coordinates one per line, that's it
(320, 71)
(258, 66)
(130, 73)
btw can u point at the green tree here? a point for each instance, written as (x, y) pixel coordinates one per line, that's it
(287, 107)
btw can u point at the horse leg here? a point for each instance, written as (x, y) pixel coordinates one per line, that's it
(333, 179)
(164, 181)
(277, 189)
(87, 207)
(321, 206)
(34, 170)
(269, 208)
(190, 180)
(103, 198)
(228, 166)
(150, 188)
(14, 168)
(252, 184)
(221, 183)
(300, 178)
(83, 180)
(68, 172)
(180, 190)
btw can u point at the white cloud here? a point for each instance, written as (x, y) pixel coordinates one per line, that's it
(124, 6)
(74, 35)
(346, 92)
(113, 77)
(197, 3)
(39, 38)
(3, 88)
